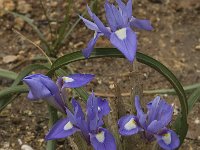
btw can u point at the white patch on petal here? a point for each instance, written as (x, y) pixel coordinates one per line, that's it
(109, 29)
(167, 138)
(99, 109)
(130, 125)
(95, 34)
(67, 79)
(68, 126)
(100, 137)
(121, 33)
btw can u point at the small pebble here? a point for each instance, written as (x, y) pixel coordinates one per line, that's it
(165, 95)
(19, 23)
(23, 7)
(9, 58)
(145, 75)
(26, 147)
(111, 86)
(197, 47)
(198, 138)
(6, 5)
(197, 121)
(176, 109)
(99, 81)
(19, 141)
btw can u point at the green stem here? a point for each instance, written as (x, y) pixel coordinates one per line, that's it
(53, 117)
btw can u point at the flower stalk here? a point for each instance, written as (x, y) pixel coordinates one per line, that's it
(53, 117)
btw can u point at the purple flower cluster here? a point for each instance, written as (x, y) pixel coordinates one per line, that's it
(119, 30)
(42, 87)
(89, 126)
(152, 124)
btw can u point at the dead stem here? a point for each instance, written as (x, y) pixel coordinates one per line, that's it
(119, 101)
(41, 50)
(136, 85)
(114, 116)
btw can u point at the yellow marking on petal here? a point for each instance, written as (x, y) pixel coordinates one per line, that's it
(100, 137)
(68, 126)
(167, 138)
(130, 125)
(121, 33)
(67, 79)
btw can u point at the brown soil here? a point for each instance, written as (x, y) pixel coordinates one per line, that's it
(175, 42)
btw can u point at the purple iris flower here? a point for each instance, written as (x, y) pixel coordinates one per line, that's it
(74, 80)
(119, 31)
(152, 124)
(42, 87)
(89, 126)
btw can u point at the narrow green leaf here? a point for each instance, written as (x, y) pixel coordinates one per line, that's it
(187, 89)
(6, 94)
(8, 74)
(12, 75)
(13, 90)
(63, 28)
(41, 58)
(77, 56)
(53, 117)
(82, 93)
(112, 52)
(194, 97)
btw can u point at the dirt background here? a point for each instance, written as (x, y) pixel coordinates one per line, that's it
(175, 41)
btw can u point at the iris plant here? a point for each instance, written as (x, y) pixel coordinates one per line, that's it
(89, 126)
(152, 124)
(42, 87)
(119, 30)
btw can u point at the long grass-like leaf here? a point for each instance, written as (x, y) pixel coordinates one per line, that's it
(6, 94)
(12, 75)
(194, 97)
(8, 74)
(63, 28)
(187, 89)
